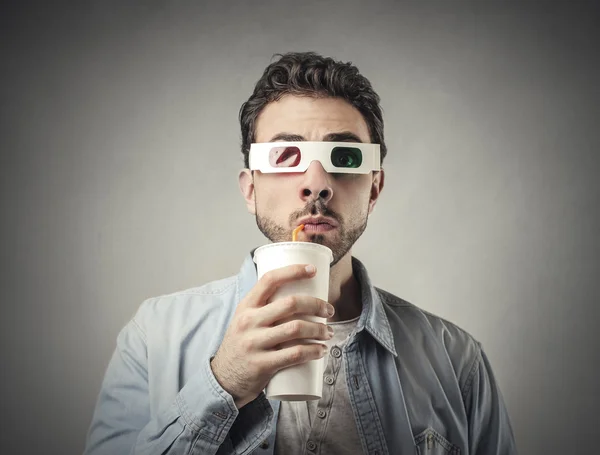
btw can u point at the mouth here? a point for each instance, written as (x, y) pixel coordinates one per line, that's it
(318, 224)
(319, 227)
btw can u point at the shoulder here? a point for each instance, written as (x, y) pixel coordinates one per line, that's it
(460, 347)
(187, 306)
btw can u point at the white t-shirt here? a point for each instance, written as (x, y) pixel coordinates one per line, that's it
(324, 426)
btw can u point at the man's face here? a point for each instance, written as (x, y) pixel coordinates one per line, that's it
(333, 207)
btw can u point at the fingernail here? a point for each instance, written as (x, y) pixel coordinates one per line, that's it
(310, 269)
(330, 330)
(330, 309)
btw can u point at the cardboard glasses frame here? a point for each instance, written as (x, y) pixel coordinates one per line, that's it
(335, 157)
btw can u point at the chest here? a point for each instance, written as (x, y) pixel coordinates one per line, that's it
(374, 403)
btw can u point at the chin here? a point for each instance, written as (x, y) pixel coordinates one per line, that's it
(320, 239)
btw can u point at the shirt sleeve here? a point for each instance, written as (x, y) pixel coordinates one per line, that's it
(490, 431)
(202, 419)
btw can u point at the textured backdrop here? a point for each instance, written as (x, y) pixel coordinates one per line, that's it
(119, 156)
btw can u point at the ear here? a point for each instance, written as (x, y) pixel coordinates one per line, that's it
(246, 182)
(376, 188)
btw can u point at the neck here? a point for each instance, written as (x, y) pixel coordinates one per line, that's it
(344, 290)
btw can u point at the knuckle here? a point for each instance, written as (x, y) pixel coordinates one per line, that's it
(323, 331)
(243, 321)
(296, 354)
(290, 304)
(294, 328)
(269, 279)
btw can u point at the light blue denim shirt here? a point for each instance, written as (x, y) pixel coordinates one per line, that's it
(417, 383)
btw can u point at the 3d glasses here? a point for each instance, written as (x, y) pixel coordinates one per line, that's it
(335, 157)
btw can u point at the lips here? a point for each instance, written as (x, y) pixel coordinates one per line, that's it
(318, 227)
(318, 224)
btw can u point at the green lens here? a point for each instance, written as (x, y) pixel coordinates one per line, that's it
(346, 157)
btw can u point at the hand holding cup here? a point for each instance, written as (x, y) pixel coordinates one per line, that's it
(251, 353)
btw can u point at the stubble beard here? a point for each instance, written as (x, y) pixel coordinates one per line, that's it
(347, 234)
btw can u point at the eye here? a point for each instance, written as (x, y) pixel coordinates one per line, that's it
(347, 160)
(290, 157)
(346, 157)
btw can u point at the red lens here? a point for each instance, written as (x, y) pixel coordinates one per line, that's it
(285, 156)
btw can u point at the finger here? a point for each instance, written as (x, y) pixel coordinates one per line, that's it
(294, 355)
(295, 330)
(291, 306)
(270, 281)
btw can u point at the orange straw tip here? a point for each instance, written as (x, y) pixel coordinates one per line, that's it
(295, 233)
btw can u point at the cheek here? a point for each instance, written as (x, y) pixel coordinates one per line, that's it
(354, 193)
(274, 193)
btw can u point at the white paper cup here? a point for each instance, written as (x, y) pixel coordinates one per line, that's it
(299, 382)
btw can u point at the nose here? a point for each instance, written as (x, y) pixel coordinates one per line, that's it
(316, 184)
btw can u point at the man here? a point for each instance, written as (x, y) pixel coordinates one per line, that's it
(188, 373)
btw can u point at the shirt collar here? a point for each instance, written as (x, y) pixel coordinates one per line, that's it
(372, 318)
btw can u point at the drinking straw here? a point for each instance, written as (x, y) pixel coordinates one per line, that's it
(295, 233)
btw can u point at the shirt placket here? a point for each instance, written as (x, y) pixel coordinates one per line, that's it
(319, 419)
(369, 426)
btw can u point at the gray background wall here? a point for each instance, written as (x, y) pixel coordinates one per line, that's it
(119, 156)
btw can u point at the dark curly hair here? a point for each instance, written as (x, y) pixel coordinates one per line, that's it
(310, 74)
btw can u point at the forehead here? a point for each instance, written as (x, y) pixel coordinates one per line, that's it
(311, 118)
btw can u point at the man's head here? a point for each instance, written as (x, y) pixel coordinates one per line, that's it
(306, 97)
(309, 74)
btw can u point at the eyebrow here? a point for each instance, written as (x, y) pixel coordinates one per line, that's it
(344, 136)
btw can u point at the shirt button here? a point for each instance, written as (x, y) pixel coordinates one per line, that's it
(310, 445)
(321, 413)
(336, 352)
(329, 380)
(264, 444)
